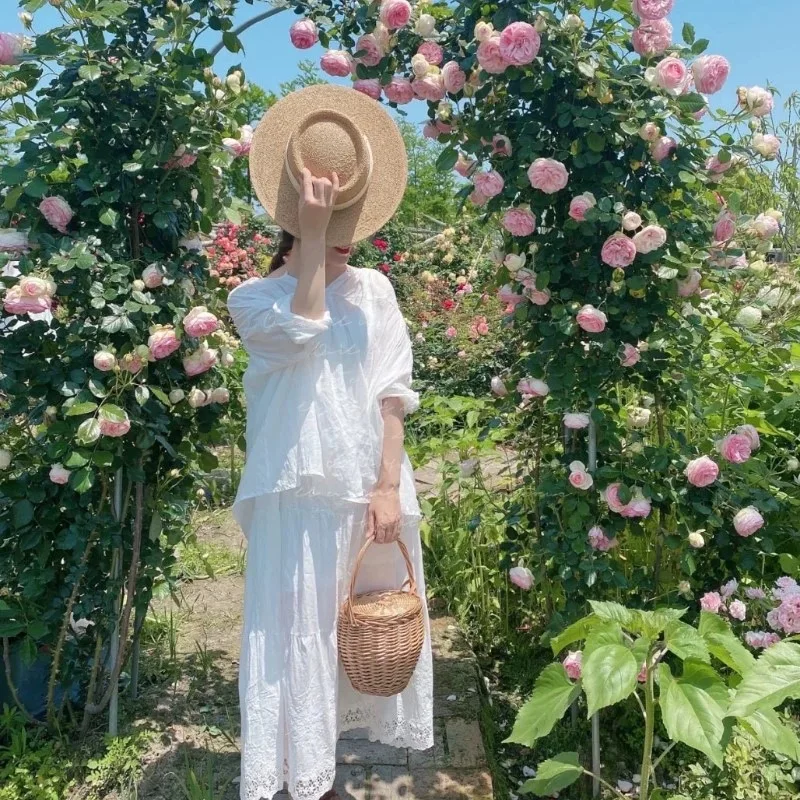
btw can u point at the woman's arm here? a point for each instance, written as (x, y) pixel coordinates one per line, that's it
(384, 512)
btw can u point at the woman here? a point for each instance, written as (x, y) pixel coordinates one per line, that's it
(328, 387)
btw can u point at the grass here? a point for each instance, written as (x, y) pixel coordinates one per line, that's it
(202, 560)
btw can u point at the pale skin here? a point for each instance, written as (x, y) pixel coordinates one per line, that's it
(315, 265)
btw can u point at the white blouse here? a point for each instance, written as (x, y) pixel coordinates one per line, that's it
(313, 388)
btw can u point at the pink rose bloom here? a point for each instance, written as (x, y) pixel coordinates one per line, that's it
(519, 43)
(630, 356)
(59, 475)
(663, 148)
(399, 90)
(652, 38)
(220, 395)
(337, 63)
(519, 221)
(710, 73)
(766, 144)
(618, 251)
(303, 34)
(131, 362)
(501, 145)
(631, 221)
(755, 593)
(548, 175)
(756, 100)
(104, 361)
(10, 49)
(652, 9)
(451, 332)
(649, 132)
(591, 319)
(532, 387)
(200, 322)
(671, 74)
(430, 131)
(717, 167)
(724, 227)
(490, 56)
(761, 639)
(747, 521)
(199, 361)
(787, 615)
(15, 302)
(580, 205)
(611, 496)
(372, 50)
(639, 506)
(153, 276)
(430, 88)
(765, 226)
(735, 447)
(508, 296)
(163, 342)
(395, 13)
(432, 52)
(690, 285)
(477, 199)
(701, 471)
(498, 387)
(576, 420)
(112, 428)
(599, 541)
(752, 434)
(730, 588)
(649, 239)
(522, 577)
(57, 212)
(30, 286)
(371, 87)
(738, 610)
(454, 77)
(489, 184)
(464, 166)
(579, 477)
(539, 297)
(573, 664)
(711, 602)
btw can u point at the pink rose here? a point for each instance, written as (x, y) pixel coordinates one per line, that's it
(580, 205)
(639, 506)
(663, 148)
(153, 276)
(652, 9)
(337, 63)
(756, 100)
(738, 610)
(649, 239)
(618, 251)
(522, 577)
(395, 13)
(131, 362)
(31, 286)
(690, 285)
(520, 221)
(303, 34)
(113, 428)
(599, 541)
(432, 52)
(611, 496)
(575, 420)
(652, 38)
(591, 319)
(200, 322)
(59, 475)
(717, 167)
(755, 593)
(532, 387)
(724, 227)
(765, 226)
(220, 395)
(454, 77)
(399, 90)
(631, 221)
(10, 49)
(519, 43)
(787, 616)
(573, 665)
(579, 478)
(630, 356)
(241, 146)
(489, 184)
(199, 361)
(761, 639)
(501, 145)
(477, 199)
(752, 434)
(506, 295)
(104, 361)
(163, 342)
(498, 387)
(711, 602)
(671, 74)
(17, 303)
(451, 332)
(539, 297)
(735, 447)
(701, 471)
(730, 588)
(464, 166)
(430, 88)
(371, 87)
(649, 132)
(766, 145)
(747, 521)
(430, 131)
(490, 57)
(548, 175)
(372, 52)
(57, 212)
(710, 73)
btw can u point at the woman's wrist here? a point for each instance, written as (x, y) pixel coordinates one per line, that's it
(386, 484)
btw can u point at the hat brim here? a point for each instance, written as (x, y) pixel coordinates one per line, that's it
(277, 194)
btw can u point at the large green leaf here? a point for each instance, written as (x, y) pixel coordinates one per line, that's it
(614, 612)
(723, 645)
(574, 633)
(686, 642)
(772, 734)
(554, 775)
(774, 678)
(693, 708)
(609, 675)
(552, 695)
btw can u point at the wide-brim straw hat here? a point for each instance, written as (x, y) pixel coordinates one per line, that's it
(328, 129)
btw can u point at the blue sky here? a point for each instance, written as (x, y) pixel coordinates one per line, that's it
(759, 39)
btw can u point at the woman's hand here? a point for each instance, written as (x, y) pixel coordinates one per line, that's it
(316, 203)
(383, 516)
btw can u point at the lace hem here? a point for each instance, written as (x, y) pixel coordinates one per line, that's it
(264, 785)
(394, 732)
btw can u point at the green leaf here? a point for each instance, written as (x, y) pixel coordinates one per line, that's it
(613, 612)
(775, 737)
(609, 676)
(552, 695)
(700, 46)
(574, 633)
(90, 72)
(160, 395)
(88, 432)
(774, 678)
(131, 166)
(112, 413)
(78, 409)
(596, 142)
(231, 42)
(22, 513)
(723, 645)
(142, 394)
(691, 103)
(76, 460)
(688, 33)
(82, 480)
(447, 159)
(554, 775)
(655, 622)
(693, 708)
(109, 217)
(686, 642)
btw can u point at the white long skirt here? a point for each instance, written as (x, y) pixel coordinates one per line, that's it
(295, 696)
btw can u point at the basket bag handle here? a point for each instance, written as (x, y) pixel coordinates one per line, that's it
(412, 584)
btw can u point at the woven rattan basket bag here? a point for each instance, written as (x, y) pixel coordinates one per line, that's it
(381, 634)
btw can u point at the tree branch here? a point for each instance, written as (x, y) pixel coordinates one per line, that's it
(249, 24)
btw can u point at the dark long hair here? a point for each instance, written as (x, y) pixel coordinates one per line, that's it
(284, 248)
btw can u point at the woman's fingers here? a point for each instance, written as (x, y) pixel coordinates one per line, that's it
(370, 524)
(308, 185)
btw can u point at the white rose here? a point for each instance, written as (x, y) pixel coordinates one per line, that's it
(176, 395)
(748, 317)
(792, 464)
(197, 398)
(696, 540)
(419, 65)
(639, 417)
(5, 459)
(514, 262)
(572, 22)
(426, 26)
(631, 221)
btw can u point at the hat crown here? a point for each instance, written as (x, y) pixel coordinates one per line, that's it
(325, 142)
